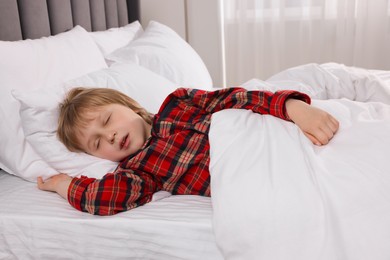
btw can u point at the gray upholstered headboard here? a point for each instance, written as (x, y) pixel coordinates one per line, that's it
(31, 19)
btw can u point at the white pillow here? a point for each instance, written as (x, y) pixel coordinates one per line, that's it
(115, 38)
(163, 51)
(33, 64)
(39, 113)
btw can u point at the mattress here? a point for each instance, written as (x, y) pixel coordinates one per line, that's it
(41, 225)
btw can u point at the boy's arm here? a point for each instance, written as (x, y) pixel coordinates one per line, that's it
(114, 193)
(316, 124)
(262, 102)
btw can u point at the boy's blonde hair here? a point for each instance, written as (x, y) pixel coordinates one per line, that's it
(79, 101)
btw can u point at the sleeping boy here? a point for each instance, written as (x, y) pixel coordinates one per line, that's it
(167, 151)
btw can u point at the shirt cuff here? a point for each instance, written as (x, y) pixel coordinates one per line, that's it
(280, 101)
(76, 190)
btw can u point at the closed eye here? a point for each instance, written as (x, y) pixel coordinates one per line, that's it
(97, 144)
(107, 120)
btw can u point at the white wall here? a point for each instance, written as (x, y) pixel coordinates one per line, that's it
(205, 35)
(196, 21)
(168, 12)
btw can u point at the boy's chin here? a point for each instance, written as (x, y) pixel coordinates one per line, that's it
(122, 158)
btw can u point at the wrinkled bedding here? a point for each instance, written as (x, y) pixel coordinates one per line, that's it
(277, 196)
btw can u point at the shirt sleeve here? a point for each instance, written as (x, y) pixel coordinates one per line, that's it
(262, 102)
(114, 193)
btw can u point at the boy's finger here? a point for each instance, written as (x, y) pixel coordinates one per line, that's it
(333, 124)
(40, 182)
(312, 139)
(328, 131)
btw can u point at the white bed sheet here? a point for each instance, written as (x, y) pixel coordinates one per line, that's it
(41, 225)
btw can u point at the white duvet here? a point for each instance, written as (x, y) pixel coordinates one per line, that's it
(277, 196)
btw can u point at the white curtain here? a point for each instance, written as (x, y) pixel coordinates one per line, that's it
(263, 37)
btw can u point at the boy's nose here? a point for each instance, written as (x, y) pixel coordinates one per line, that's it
(111, 137)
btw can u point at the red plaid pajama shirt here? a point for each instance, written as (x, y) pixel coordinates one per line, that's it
(176, 156)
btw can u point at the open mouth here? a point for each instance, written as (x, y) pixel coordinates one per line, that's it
(125, 142)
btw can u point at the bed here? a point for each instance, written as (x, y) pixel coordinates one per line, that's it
(330, 202)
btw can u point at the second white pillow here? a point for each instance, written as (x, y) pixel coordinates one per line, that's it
(115, 38)
(163, 51)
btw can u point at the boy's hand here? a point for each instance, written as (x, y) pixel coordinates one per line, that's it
(58, 183)
(318, 125)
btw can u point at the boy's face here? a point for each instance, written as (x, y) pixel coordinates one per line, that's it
(114, 132)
